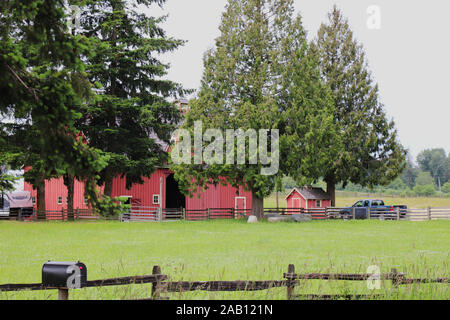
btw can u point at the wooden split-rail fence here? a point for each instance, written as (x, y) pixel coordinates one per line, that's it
(51, 215)
(160, 214)
(161, 284)
(157, 214)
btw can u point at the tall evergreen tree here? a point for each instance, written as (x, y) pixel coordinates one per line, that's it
(308, 135)
(259, 76)
(131, 115)
(371, 154)
(39, 59)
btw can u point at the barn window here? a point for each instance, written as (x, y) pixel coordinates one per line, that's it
(33, 199)
(318, 203)
(67, 200)
(156, 199)
(85, 200)
(59, 200)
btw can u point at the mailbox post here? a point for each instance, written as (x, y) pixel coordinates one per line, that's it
(64, 276)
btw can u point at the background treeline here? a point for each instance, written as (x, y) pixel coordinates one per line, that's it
(429, 175)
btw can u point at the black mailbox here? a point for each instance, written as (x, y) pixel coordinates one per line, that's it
(71, 275)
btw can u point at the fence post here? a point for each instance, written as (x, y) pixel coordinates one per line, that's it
(160, 213)
(155, 285)
(20, 214)
(429, 213)
(62, 214)
(398, 214)
(368, 213)
(63, 294)
(290, 285)
(184, 213)
(209, 214)
(354, 213)
(77, 214)
(395, 277)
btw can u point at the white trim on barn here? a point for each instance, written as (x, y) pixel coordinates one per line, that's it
(235, 202)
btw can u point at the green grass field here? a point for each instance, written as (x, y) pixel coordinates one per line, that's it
(228, 250)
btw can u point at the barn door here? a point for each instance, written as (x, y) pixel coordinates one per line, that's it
(296, 205)
(240, 204)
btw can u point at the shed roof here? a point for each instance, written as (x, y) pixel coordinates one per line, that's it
(311, 193)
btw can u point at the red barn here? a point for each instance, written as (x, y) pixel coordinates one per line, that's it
(160, 190)
(308, 198)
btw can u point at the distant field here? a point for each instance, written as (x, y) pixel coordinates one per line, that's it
(413, 202)
(343, 200)
(228, 250)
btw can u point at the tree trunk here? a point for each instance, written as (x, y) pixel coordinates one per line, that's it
(257, 207)
(108, 185)
(69, 181)
(331, 190)
(89, 185)
(40, 197)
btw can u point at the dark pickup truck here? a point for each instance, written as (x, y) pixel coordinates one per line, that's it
(360, 210)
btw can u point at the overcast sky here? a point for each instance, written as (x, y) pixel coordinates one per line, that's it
(408, 55)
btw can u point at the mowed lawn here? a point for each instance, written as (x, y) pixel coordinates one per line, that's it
(228, 250)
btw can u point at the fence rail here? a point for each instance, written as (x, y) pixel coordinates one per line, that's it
(50, 215)
(157, 214)
(161, 284)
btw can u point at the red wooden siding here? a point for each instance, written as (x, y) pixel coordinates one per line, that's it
(294, 197)
(54, 189)
(219, 197)
(143, 192)
(214, 197)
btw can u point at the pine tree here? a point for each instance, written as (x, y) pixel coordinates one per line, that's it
(131, 114)
(308, 135)
(371, 154)
(260, 76)
(39, 61)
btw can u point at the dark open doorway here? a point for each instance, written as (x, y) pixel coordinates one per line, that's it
(174, 197)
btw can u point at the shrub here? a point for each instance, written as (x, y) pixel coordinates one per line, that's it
(424, 178)
(409, 192)
(446, 188)
(425, 190)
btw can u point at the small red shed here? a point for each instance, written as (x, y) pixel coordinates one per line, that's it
(308, 198)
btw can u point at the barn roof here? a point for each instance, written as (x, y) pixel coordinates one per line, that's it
(310, 193)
